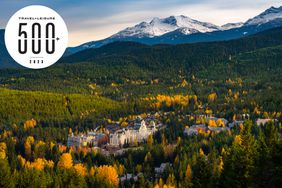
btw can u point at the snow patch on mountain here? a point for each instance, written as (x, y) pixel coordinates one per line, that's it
(269, 15)
(158, 27)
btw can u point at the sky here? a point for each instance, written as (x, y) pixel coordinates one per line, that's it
(89, 20)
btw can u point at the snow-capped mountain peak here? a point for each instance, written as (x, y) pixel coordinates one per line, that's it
(161, 26)
(268, 15)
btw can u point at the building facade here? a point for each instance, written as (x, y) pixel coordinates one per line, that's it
(89, 139)
(139, 132)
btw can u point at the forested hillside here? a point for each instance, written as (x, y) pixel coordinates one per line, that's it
(187, 85)
(188, 56)
(18, 106)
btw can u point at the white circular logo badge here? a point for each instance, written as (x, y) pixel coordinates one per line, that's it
(36, 37)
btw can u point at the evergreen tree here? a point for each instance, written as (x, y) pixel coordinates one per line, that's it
(239, 165)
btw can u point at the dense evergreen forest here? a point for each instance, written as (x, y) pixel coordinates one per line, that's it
(39, 108)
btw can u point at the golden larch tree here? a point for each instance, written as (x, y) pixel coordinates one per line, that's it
(80, 169)
(108, 173)
(65, 161)
(3, 150)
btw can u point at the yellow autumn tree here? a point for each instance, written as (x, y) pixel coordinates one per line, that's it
(208, 111)
(184, 83)
(161, 182)
(3, 150)
(169, 101)
(230, 92)
(49, 164)
(21, 160)
(238, 139)
(30, 124)
(51, 145)
(212, 97)
(220, 122)
(201, 152)
(223, 152)
(236, 96)
(65, 161)
(221, 165)
(211, 123)
(30, 139)
(6, 133)
(188, 173)
(38, 164)
(108, 173)
(80, 169)
(156, 186)
(168, 186)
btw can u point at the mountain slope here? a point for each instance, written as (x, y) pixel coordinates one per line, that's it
(126, 69)
(231, 26)
(269, 15)
(148, 55)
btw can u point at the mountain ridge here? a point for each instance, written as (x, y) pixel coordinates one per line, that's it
(160, 26)
(183, 29)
